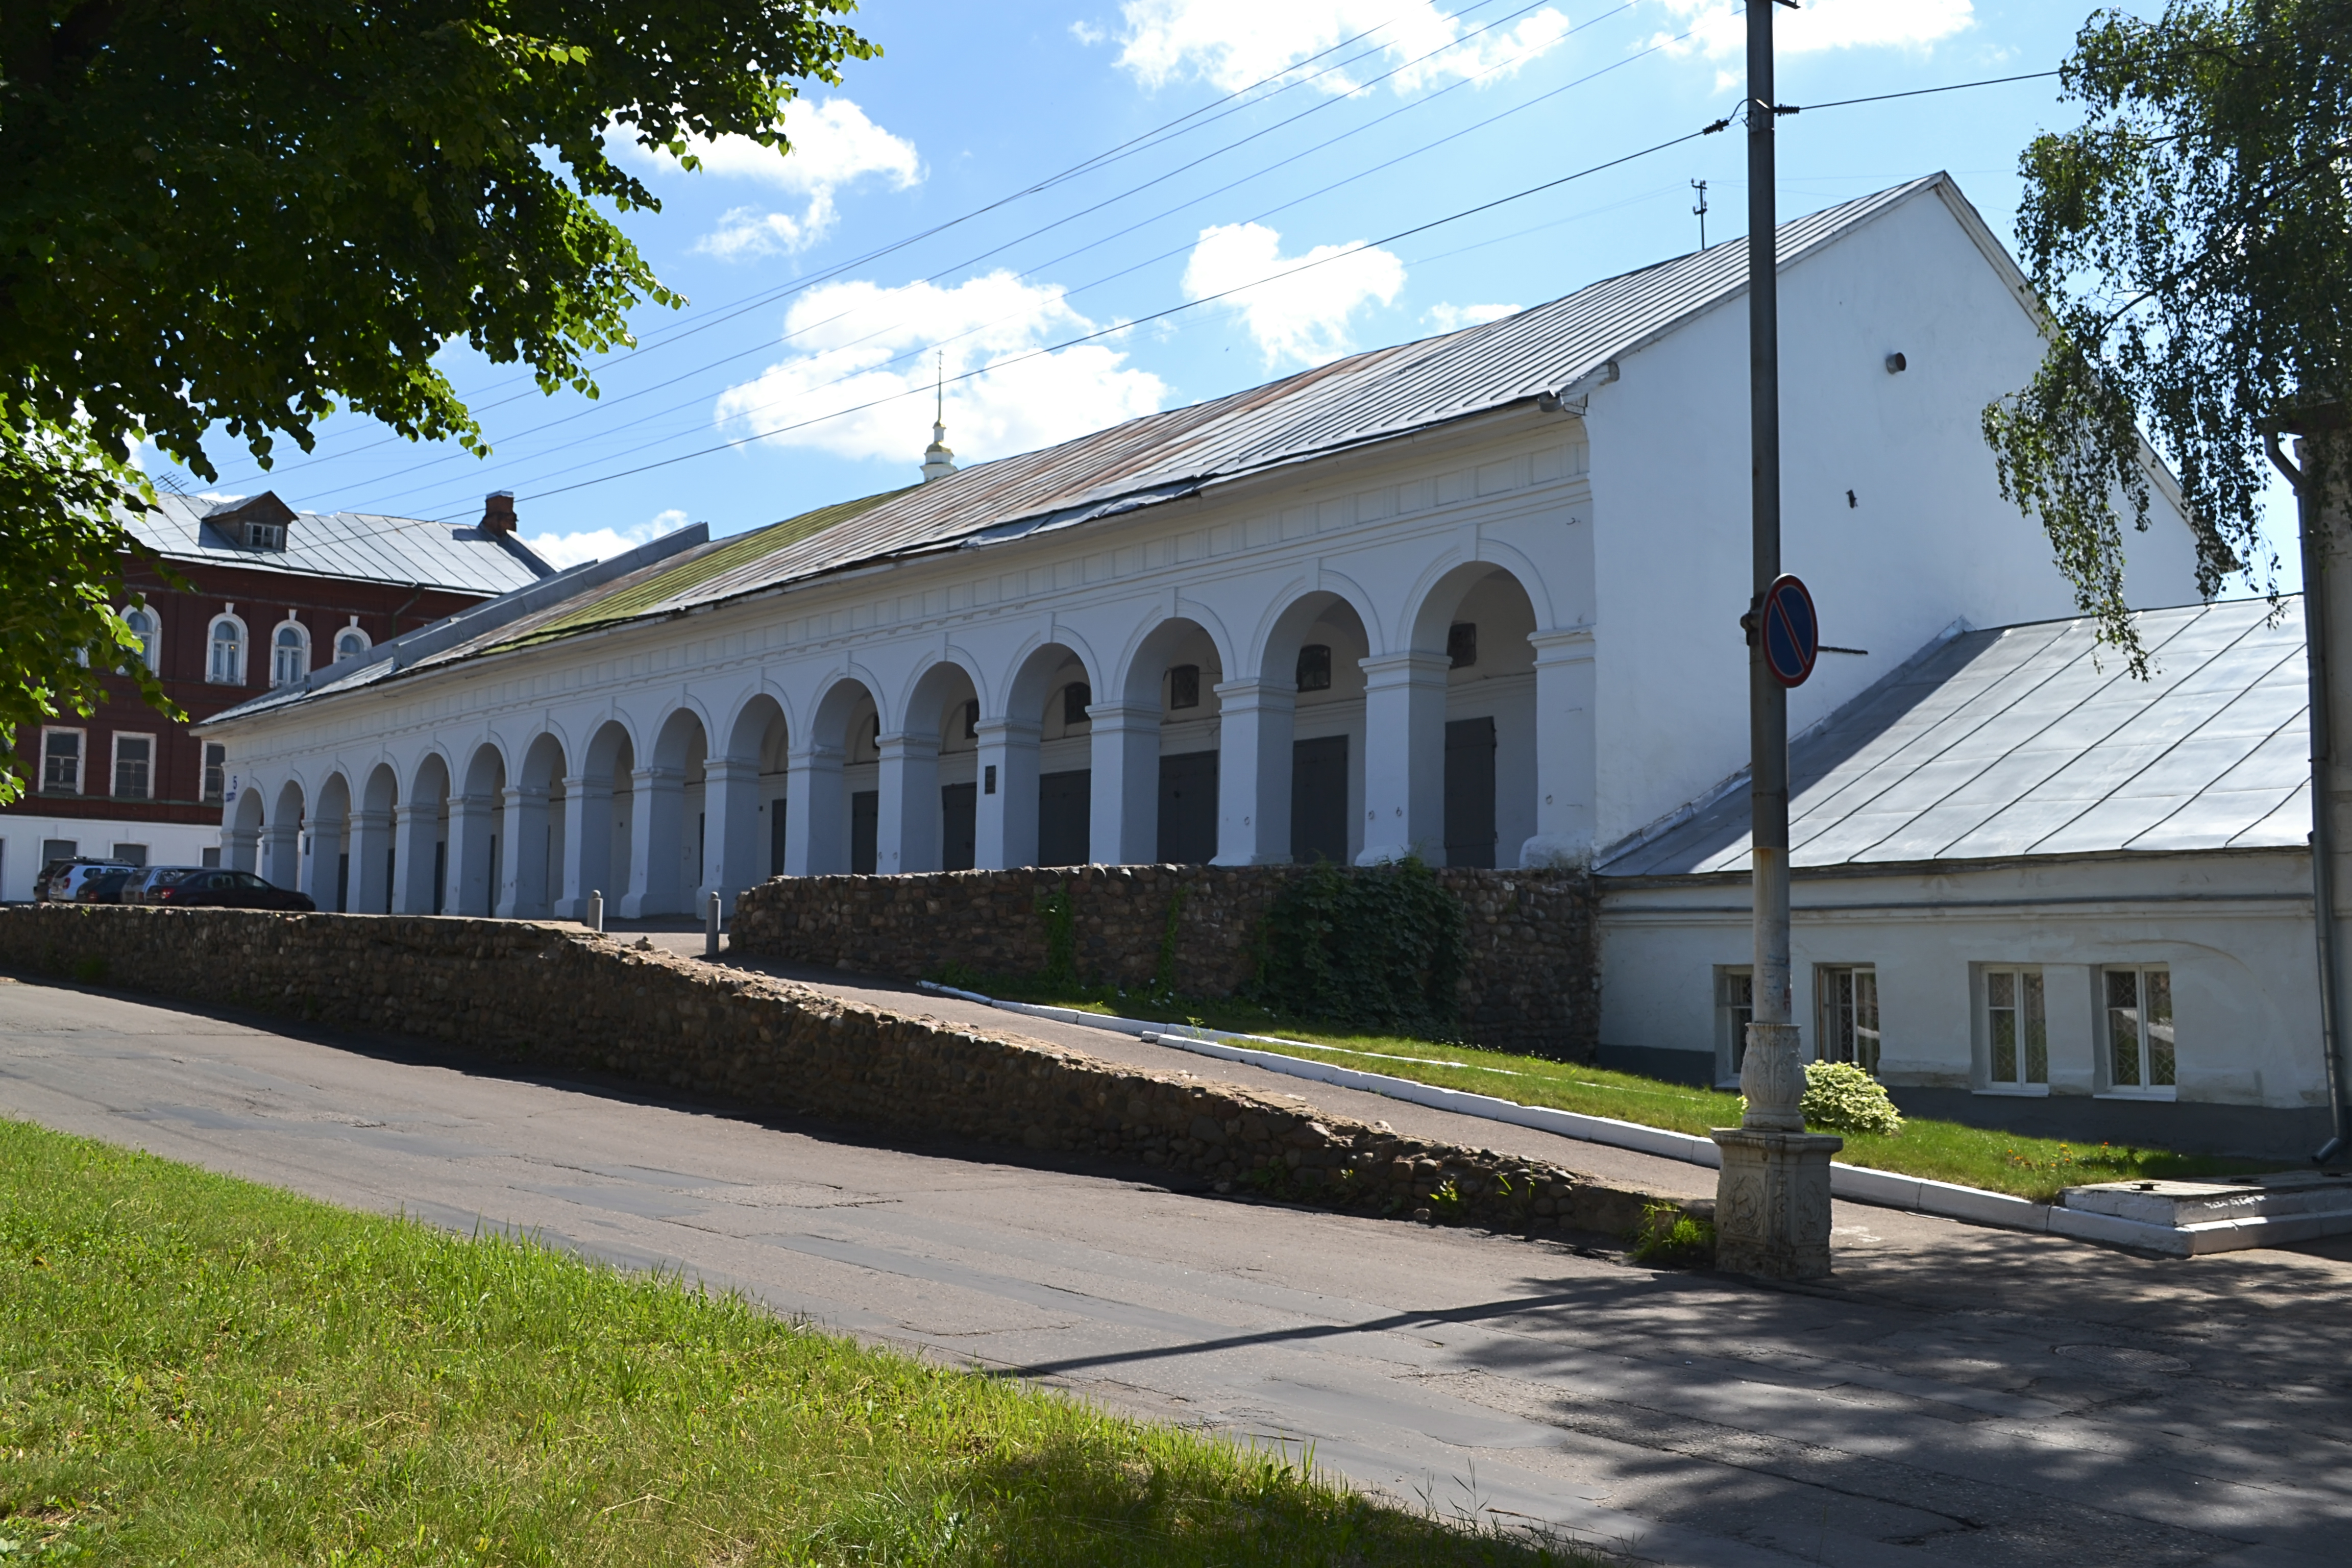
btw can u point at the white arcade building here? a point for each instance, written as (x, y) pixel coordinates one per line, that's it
(1474, 597)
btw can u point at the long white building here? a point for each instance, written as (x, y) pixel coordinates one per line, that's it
(1474, 597)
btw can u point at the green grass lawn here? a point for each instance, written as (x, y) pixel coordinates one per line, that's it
(201, 1371)
(2033, 1168)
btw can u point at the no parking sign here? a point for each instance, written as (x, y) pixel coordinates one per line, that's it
(1792, 633)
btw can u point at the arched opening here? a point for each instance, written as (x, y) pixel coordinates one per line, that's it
(326, 864)
(1481, 617)
(930, 783)
(281, 840)
(754, 845)
(538, 829)
(1311, 729)
(667, 822)
(471, 864)
(421, 841)
(1157, 749)
(599, 840)
(373, 855)
(836, 776)
(1042, 753)
(243, 839)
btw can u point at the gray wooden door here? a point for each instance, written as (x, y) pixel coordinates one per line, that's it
(1470, 791)
(1065, 804)
(865, 819)
(1188, 808)
(959, 827)
(1318, 800)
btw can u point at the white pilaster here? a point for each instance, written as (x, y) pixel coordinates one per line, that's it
(656, 816)
(318, 867)
(816, 829)
(907, 817)
(1006, 831)
(281, 848)
(467, 883)
(522, 853)
(1124, 827)
(415, 830)
(1253, 725)
(240, 847)
(587, 844)
(1404, 757)
(1567, 771)
(730, 841)
(370, 889)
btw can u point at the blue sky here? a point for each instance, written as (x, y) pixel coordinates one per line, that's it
(1215, 142)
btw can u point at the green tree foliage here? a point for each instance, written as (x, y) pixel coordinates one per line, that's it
(2193, 242)
(244, 213)
(1379, 947)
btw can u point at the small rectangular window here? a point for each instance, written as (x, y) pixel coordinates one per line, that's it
(61, 761)
(1315, 668)
(55, 849)
(135, 758)
(212, 856)
(2138, 1016)
(130, 854)
(1461, 643)
(1735, 1009)
(216, 772)
(1184, 686)
(1846, 1004)
(2017, 1029)
(265, 536)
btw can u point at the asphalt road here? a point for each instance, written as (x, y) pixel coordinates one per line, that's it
(1957, 1395)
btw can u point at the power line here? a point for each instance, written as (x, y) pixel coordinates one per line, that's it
(1110, 276)
(1915, 93)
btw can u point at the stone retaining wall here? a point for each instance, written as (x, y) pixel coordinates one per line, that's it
(1532, 981)
(558, 996)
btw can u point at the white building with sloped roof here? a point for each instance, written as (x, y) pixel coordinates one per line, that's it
(1474, 597)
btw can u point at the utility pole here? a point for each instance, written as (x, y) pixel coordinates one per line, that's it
(1772, 1195)
(1700, 186)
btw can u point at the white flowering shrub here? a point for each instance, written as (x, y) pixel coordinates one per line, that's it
(1842, 1098)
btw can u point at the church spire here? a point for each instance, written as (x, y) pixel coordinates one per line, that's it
(938, 462)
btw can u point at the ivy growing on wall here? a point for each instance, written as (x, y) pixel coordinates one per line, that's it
(1061, 918)
(1377, 948)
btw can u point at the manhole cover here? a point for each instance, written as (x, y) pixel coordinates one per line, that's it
(2123, 1358)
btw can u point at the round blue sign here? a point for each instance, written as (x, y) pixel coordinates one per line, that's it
(1792, 635)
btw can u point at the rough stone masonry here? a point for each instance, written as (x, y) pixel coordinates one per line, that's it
(1530, 983)
(558, 996)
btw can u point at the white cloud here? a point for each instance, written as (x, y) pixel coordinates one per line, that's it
(1454, 318)
(561, 549)
(1303, 316)
(1718, 28)
(832, 144)
(1233, 43)
(846, 337)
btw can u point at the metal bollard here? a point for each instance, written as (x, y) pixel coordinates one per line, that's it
(596, 910)
(710, 926)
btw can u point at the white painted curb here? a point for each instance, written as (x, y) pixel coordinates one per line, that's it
(1855, 1184)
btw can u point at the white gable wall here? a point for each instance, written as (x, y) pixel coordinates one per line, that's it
(1927, 541)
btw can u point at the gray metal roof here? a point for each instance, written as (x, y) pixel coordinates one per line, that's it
(2031, 739)
(1367, 397)
(355, 545)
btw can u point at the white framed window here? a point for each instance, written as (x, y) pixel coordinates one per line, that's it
(135, 767)
(148, 629)
(215, 773)
(61, 761)
(2016, 1029)
(1735, 1009)
(1845, 1008)
(351, 643)
(224, 665)
(2136, 1022)
(289, 653)
(265, 536)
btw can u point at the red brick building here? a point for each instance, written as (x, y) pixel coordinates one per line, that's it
(273, 595)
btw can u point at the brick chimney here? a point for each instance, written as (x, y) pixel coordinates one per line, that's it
(499, 512)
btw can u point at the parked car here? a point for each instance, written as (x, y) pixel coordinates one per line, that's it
(140, 890)
(61, 881)
(206, 889)
(103, 885)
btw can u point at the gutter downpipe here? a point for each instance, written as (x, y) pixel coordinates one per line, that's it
(2323, 804)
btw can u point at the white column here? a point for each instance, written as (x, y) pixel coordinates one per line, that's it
(281, 847)
(415, 828)
(319, 872)
(1253, 727)
(816, 827)
(731, 838)
(370, 891)
(1125, 826)
(467, 874)
(907, 817)
(656, 815)
(1404, 757)
(587, 844)
(522, 853)
(1006, 831)
(240, 847)
(1567, 771)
